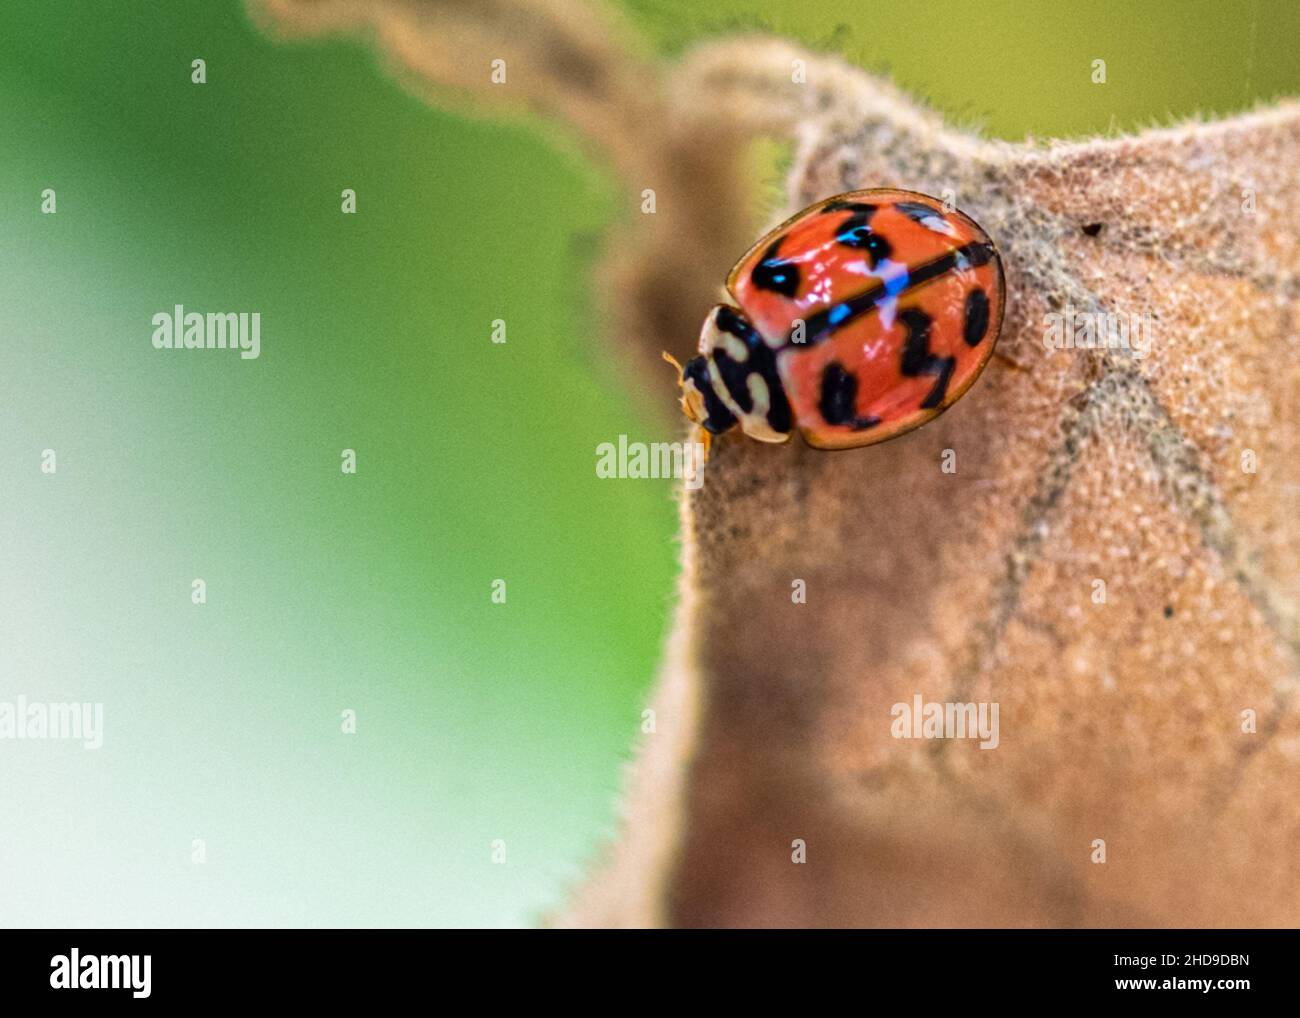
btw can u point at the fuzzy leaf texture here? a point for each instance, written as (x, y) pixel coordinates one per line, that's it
(1119, 721)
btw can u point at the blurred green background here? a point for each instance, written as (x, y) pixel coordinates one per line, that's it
(371, 592)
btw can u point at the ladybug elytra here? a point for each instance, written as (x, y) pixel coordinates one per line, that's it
(861, 318)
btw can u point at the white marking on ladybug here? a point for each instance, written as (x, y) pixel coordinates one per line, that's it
(735, 347)
(938, 224)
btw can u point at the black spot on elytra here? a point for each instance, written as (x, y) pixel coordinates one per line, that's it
(839, 399)
(1169, 611)
(855, 232)
(1092, 229)
(918, 360)
(839, 394)
(977, 317)
(772, 273)
(917, 212)
(860, 208)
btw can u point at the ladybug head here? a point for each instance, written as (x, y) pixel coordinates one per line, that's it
(699, 399)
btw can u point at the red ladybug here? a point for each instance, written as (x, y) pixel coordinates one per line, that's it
(859, 319)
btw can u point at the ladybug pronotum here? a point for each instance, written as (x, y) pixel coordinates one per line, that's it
(861, 318)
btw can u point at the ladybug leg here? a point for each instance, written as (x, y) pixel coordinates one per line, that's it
(704, 437)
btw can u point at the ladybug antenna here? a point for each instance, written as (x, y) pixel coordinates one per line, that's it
(681, 373)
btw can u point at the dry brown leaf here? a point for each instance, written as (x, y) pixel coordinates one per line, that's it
(1120, 721)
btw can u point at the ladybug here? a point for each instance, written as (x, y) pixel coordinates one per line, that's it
(861, 318)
